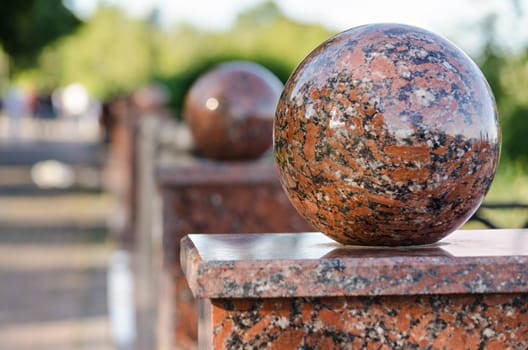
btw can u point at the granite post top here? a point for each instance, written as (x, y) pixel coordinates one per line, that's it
(313, 265)
(202, 171)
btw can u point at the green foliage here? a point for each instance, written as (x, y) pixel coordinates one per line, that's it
(112, 53)
(26, 26)
(507, 75)
(108, 54)
(261, 34)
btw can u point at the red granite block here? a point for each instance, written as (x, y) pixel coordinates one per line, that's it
(312, 265)
(453, 321)
(214, 197)
(292, 291)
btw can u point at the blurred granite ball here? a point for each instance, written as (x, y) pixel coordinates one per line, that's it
(230, 110)
(386, 134)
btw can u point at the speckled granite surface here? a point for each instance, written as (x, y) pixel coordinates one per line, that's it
(312, 265)
(223, 197)
(387, 134)
(210, 197)
(230, 110)
(456, 321)
(299, 291)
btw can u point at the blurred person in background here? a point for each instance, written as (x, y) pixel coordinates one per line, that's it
(44, 112)
(15, 107)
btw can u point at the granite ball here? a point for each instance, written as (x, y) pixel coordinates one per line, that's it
(386, 134)
(230, 110)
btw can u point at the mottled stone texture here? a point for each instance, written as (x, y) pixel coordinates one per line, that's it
(493, 321)
(304, 291)
(386, 134)
(312, 265)
(230, 110)
(215, 197)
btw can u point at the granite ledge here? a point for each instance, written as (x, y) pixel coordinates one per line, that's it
(312, 265)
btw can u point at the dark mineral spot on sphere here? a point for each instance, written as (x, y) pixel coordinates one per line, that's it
(230, 110)
(386, 134)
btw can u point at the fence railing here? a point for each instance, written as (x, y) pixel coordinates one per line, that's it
(480, 216)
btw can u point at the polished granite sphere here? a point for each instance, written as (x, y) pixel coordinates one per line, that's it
(230, 110)
(386, 134)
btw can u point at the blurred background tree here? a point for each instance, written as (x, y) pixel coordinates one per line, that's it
(112, 52)
(108, 54)
(27, 26)
(507, 74)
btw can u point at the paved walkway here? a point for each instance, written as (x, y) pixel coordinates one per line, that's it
(54, 253)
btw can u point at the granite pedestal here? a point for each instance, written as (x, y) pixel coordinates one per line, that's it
(304, 291)
(210, 197)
